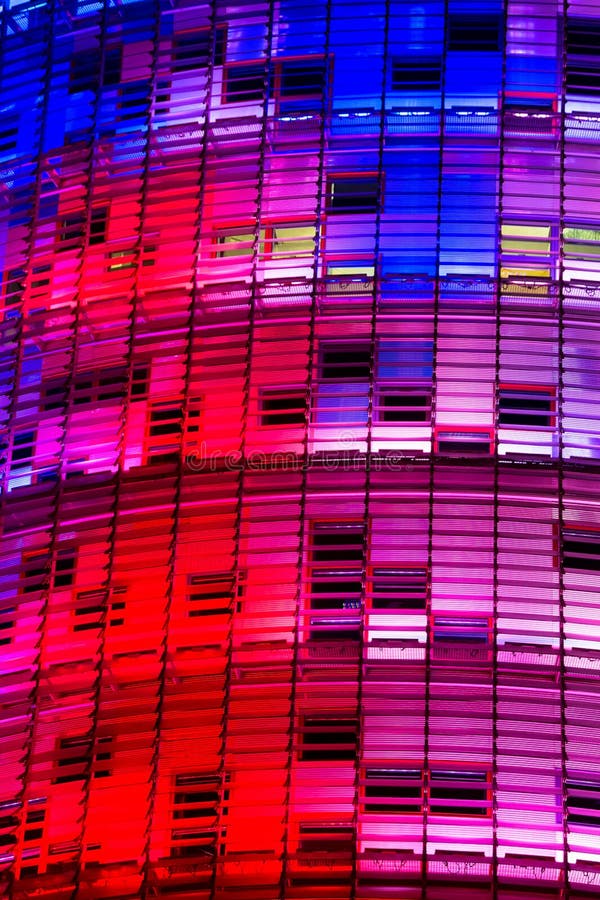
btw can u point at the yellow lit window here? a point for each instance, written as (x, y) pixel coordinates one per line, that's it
(274, 240)
(230, 245)
(293, 240)
(351, 271)
(525, 240)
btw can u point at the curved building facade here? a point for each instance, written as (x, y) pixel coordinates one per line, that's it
(300, 502)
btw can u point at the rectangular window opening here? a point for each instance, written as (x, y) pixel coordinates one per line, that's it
(454, 630)
(346, 363)
(403, 405)
(302, 78)
(212, 594)
(328, 739)
(337, 543)
(581, 550)
(526, 406)
(528, 240)
(463, 443)
(581, 242)
(98, 225)
(352, 194)
(459, 793)
(399, 589)
(111, 74)
(64, 568)
(478, 32)
(199, 799)
(193, 49)
(326, 837)
(244, 83)
(165, 420)
(283, 407)
(582, 36)
(416, 75)
(583, 802)
(393, 791)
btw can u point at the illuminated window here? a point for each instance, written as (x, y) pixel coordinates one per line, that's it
(399, 589)
(121, 259)
(244, 83)
(581, 549)
(328, 739)
(526, 249)
(355, 270)
(283, 241)
(416, 74)
(283, 407)
(581, 242)
(235, 245)
(527, 240)
(527, 406)
(525, 279)
(459, 793)
(352, 194)
(474, 32)
(393, 791)
(290, 240)
(583, 802)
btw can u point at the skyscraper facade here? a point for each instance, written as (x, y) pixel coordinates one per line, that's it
(300, 560)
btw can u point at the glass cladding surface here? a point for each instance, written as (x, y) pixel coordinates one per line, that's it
(299, 447)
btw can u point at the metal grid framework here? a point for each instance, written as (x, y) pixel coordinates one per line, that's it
(300, 511)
